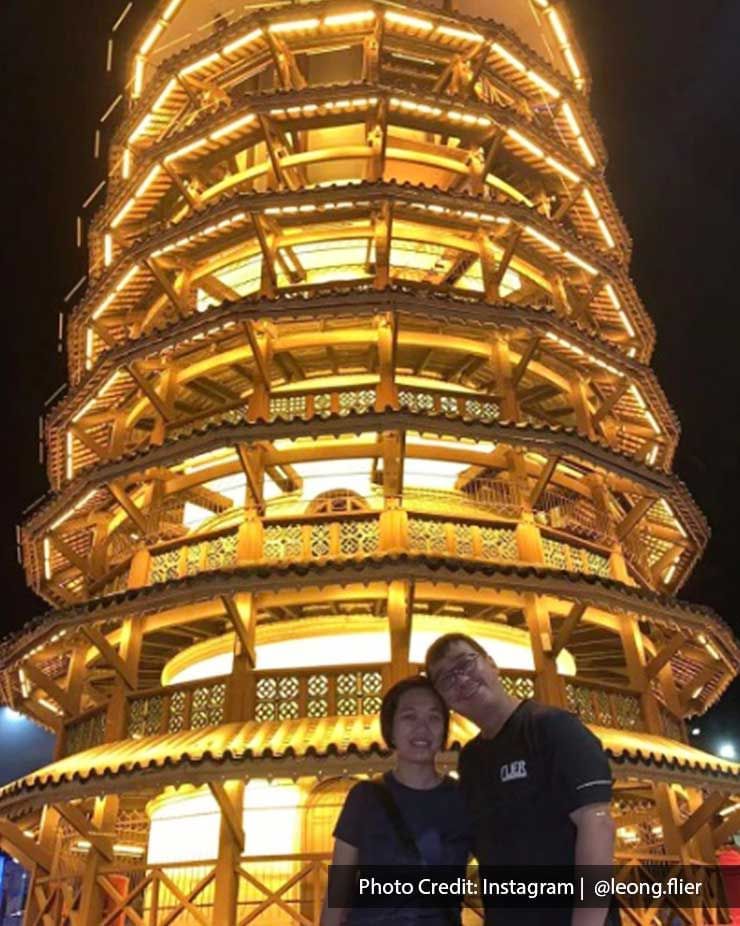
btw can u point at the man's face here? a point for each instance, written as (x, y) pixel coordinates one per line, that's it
(466, 679)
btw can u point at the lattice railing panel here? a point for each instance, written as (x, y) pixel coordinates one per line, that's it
(170, 710)
(84, 733)
(605, 707)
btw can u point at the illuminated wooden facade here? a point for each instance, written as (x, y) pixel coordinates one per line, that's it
(359, 362)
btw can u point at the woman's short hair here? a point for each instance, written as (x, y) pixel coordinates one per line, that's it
(392, 699)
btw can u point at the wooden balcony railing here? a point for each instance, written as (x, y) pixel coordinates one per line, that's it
(85, 731)
(189, 706)
(342, 691)
(605, 706)
(334, 691)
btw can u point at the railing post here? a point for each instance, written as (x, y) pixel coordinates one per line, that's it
(250, 538)
(529, 540)
(138, 575)
(394, 528)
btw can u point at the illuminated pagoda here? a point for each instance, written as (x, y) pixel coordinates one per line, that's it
(359, 362)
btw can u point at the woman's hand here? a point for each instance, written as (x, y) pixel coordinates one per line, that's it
(344, 854)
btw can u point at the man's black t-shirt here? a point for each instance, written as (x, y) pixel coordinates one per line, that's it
(522, 785)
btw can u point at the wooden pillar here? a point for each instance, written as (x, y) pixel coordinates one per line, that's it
(549, 686)
(241, 610)
(601, 501)
(261, 341)
(47, 839)
(129, 651)
(528, 536)
(230, 798)
(581, 407)
(634, 656)
(167, 385)
(387, 395)
(400, 604)
(503, 373)
(92, 895)
(702, 840)
(666, 802)
(74, 684)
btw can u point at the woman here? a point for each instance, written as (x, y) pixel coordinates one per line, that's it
(412, 815)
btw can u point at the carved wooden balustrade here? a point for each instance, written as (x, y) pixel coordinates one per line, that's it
(303, 538)
(333, 691)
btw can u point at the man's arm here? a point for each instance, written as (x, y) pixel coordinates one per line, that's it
(594, 846)
(344, 854)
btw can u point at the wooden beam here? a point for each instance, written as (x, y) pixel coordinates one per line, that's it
(190, 197)
(671, 556)
(268, 255)
(252, 472)
(43, 715)
(633, 517)
(40, 680)
(167, 287)
(132, 510)
(110, 655)
(77, 819)
(257, 353)
(545, 476)
(608, 405)
(727, 829)
(524, 360)
(694, 687)
(704, 814)
(506, 258)
(665, 654)
(84, 438)
(214, 287)
(241, 612)
(228, 812)
(15, 842)
(568, 203)
(102, 332)
(574, 617)
(79, 562)
(149, 391)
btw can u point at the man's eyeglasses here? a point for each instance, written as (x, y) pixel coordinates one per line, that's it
(447, 680)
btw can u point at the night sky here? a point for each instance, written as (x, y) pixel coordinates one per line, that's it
(666, 93)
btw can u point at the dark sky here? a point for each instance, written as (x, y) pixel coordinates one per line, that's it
(666, 93)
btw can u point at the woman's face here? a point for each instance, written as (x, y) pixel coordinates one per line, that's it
(418, 726)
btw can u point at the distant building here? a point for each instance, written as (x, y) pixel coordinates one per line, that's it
(13, 890)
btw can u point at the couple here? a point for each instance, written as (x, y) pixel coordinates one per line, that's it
(534, 789)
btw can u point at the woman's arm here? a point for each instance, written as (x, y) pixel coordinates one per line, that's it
(344, 854)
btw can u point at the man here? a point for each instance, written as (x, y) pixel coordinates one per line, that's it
(537, 782)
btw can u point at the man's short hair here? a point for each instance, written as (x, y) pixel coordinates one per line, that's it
(442, 645)
(392, 698)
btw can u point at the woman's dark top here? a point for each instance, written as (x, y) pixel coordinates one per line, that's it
(436, 817)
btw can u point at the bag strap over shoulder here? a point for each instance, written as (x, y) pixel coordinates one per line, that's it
(404, 835)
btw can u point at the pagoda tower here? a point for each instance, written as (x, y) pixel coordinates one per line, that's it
(359, 363)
